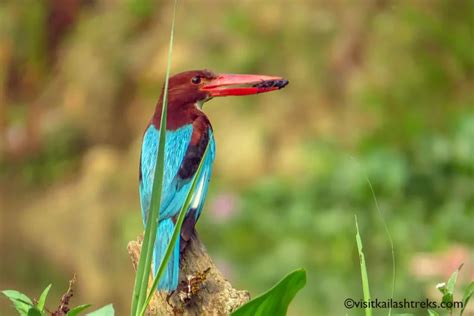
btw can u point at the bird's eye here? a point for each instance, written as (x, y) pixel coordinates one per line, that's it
(196, 80)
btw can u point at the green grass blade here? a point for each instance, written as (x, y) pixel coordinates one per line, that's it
(390, 240)
(139, 277)
(363, 270)
(387, 232)
(144, 264)
(176, 231)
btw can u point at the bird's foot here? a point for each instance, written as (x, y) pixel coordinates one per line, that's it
(192, 285)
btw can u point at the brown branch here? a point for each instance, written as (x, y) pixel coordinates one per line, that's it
(202, 289)
(63, 307)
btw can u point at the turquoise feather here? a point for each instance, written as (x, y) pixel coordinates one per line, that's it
(174, 191)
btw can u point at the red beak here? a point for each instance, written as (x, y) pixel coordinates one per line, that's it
(229, 84)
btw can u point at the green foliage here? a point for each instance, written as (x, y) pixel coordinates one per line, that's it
(35, 312)
(363, 270)
(21, 302)
(432, 313)
(139, 296)
(42, 298)
(25, 306)
(447, 290)
(75, 311)
(107, 310)
(276, 300)
(467, 296)
(424, 189)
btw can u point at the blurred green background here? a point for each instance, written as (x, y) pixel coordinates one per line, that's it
(378, 89)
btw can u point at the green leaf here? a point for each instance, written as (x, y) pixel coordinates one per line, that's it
(78, 309)
(144, 263)
(467, 296)
(42, 298)
(363, 270)
(447, 297)
(452, 280)
(447, 289)
(21, 302)
(107, 310)
(432, 313)
(276, 300)
(34, 312)
(447, 300)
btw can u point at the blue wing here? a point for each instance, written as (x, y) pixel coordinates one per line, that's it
(174, 189)
(175, 148)
(180, 164)
(203, 183)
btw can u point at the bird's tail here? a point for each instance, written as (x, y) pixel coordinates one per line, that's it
(169, 279)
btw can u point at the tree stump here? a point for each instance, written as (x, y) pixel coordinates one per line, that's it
(202, 288)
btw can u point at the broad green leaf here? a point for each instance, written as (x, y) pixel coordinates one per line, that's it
(35, 312)
(144, 263)
(448, 288)
(363, 270)
(276, 300)
(467, 296)
(452, 280)
(21, 302)
(107, 310)
(42, 298)
(432, 313)
(78, 309)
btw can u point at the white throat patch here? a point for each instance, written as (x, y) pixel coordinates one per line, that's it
(199, 104)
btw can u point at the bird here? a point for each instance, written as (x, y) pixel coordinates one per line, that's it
(188, 134)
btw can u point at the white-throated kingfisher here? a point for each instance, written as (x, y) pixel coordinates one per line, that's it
(188, 133)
